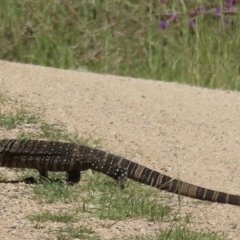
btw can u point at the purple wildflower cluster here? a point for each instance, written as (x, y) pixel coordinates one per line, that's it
(229, 8)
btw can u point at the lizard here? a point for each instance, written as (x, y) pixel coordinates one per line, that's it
(71, 158)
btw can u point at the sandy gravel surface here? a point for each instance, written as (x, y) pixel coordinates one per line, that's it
(182, 131)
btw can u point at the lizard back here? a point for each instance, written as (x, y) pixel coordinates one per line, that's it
(41, 155)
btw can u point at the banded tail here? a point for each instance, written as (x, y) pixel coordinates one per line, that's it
(141, 174)
(71, 158)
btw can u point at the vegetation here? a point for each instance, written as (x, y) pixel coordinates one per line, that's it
(96, 196)
(193, 42)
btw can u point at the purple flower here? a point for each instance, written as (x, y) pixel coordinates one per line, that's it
(230, 3)
(172, 17)
(231, 10)
(202, 10)
(217, 12)
(163, 24)
(192, 23)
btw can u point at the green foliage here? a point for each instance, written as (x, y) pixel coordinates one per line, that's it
(177, 234)
(109, 201)
(5, 99)
(52, 133)
(182, 233)
(39, 129)
(21, 117)
(54, 191)
(53, 217)
(124, 38)
(117, 204)
(71, 232)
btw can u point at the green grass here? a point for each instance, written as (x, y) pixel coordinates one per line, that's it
(56, 191)
(53, 133)
(21, 117)
(117, 204)
(182, 233)
(53, 217)
(71, 232)
(177, 234)
(124, 38)
(38, 128)
(58, 133)
(5, 99)
(96, 195)
(99, 196)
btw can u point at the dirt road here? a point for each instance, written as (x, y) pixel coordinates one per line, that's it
(183, 131)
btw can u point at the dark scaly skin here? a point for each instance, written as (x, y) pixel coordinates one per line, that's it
(72, 158)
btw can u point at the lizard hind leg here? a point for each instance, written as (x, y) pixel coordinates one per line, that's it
(73, 177)
(43, 175)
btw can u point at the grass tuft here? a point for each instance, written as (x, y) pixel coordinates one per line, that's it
(182, 233)
(71, 232)
(53, 217)
(99, 196)
(54, 191)
(21, 117)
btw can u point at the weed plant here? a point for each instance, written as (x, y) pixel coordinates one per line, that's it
(193, 42)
